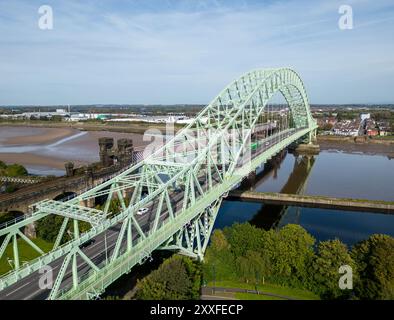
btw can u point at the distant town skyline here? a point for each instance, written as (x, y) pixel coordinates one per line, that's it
(186, 52)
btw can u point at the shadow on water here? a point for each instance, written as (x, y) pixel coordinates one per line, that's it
(269, 216)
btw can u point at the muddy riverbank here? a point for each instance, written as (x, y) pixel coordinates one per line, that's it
(348, 145)
(122, 127)
(45, 150)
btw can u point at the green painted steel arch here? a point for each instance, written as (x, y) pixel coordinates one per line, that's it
(250, 92)
(237, 107)
(271, 81)
(285, 80)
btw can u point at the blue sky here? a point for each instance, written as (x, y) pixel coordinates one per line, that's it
(186, 51)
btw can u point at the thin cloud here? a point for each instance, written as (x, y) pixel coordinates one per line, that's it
(187, 51)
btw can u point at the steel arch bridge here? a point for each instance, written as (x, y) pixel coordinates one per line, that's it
(169, 200)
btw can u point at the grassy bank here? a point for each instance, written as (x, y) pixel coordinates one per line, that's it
(293, 293)
(26, 253)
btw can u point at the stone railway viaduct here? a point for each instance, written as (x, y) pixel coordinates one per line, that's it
(112, 161)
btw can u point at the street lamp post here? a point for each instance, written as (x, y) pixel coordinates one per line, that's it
(214, 279)
(257, 282)
(106, 251)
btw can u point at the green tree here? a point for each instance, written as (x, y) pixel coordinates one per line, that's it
(15, 170)
(253, 266)
(243, 237)
(114, 207)
(56, 118)
(289, 250)
(324, 269)
(4, 217)
(375, 262)
(194, 272)
(48, 228)
(2, 166)
(175, 279)
(219, 260)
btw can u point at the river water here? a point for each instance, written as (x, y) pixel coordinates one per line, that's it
(331, 173)
(336, 174)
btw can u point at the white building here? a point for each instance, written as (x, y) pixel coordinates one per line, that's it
(365, 116)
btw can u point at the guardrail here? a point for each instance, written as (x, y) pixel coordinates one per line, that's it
(22, 180)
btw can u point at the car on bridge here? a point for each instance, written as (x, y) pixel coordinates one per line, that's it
(87, 243)
(142, 211)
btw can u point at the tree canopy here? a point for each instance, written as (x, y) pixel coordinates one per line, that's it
(12, 170)
(177, 278)
(289, 257)
(375, 260)
(330, 256)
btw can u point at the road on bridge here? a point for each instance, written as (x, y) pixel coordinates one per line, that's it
(28, 287)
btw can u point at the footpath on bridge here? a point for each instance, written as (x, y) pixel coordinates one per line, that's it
(363, 205)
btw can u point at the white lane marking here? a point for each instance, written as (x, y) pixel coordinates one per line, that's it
(31, 295)
(17, 289)
(56, 267)
(97, 243)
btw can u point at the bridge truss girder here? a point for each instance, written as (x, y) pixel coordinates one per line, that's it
(195, 169)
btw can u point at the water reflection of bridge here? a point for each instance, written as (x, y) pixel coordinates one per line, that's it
(270, 215)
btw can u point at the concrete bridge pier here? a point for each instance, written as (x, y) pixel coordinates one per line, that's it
(69, 169)
(89, 203)
(125, 151)
(312, 136)
(106, 144)
(275, 162)
(249, 181)
(310, 148)
(89, 175)
(126, 193)
(31, 231)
